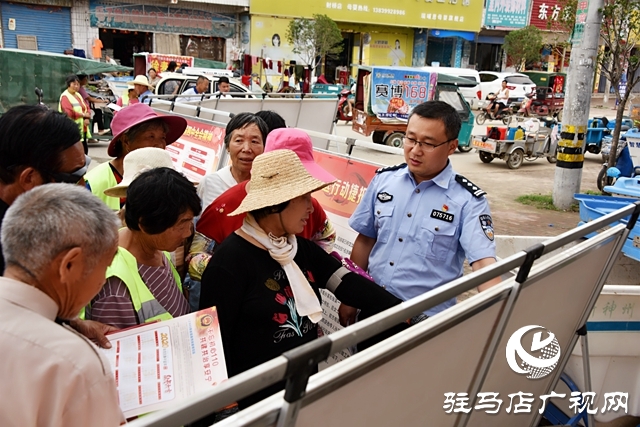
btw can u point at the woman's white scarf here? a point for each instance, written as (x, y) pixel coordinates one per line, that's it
(283, 250)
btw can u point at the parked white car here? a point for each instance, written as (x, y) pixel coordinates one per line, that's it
(518, 84)
(187, 81)
(470, 94)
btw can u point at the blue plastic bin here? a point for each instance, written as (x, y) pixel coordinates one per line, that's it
(594, 207)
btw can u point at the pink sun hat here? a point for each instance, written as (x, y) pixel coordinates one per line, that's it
(135, 114)
(299, 142)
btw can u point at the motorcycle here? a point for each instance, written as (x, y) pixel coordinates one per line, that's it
(504, 113)
(343, 106)
(624, 164)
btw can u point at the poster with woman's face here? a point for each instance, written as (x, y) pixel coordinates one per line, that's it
(269, 39)
(390, 49)
(419, 48)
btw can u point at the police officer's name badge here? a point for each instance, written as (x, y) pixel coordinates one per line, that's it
(487, 226)
(385, 197)
(443, 216)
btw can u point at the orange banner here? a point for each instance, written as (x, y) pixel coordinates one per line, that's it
(345, 194)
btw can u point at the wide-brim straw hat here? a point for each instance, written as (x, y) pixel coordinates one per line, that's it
(277, 177)
(140, 80)
(135, 163)
(136, 114)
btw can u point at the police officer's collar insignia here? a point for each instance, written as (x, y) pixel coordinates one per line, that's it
(470, 186)
(391, 168)
(487, 226)
(385, 197)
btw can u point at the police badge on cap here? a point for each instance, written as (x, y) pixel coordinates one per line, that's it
(487, 226)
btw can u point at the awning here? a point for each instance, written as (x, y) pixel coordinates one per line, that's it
(467, 35)
(89, 67)
(490, 39)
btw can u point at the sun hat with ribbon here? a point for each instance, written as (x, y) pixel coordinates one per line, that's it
(277, 177)
(139, 161)
(136, 114)
(140, 80)
(299, 142)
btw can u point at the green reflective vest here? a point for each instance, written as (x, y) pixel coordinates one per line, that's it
(125, 268)
(77, 107)
(99, 179)
(125, 98)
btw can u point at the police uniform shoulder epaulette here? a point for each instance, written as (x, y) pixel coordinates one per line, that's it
(391, 168)
(470, 186)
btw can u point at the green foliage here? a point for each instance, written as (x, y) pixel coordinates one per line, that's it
(313, 38)
(567, 19)
(617, 58)
(542, 201)
(523, 45)
(619, 35)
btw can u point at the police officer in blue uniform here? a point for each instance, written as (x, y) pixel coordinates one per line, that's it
(418, 221)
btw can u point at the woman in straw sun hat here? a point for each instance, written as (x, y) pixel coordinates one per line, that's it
(265, 281)
(134, 127)
(215, 224)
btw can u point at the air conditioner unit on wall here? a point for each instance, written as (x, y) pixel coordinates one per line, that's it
(27, 42)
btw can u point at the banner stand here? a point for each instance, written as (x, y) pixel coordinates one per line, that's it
(510, 303)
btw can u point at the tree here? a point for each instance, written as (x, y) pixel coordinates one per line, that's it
(566, 19)
(619, 60)
(523, 45)
(315, 38)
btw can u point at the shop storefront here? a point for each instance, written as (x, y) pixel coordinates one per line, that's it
(499, 19)
(33, 26)
(375, 32)
(554, 56)
(202, 30)
(450, 48)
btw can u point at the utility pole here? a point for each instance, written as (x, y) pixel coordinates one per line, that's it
(577, 100)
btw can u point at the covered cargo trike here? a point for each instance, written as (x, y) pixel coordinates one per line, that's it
(22, 71)
(549, 97)
(519, 142)
(385, 97)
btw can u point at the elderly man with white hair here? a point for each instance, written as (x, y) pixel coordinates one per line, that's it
(57, 241)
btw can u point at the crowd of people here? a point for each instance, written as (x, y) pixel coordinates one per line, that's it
(95, 251)
(85, 110)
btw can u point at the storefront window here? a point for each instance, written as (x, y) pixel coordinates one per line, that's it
(203, 47)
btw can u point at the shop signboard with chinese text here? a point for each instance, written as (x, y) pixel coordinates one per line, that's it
(545, 11)
(511, 14)
(581, 19)
(395, 91)
(166, 19)
(160, 62)
(465, 15)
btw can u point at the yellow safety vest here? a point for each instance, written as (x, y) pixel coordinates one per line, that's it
(125, 98)
(125, 268)
(77, 107)
(99, 179)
